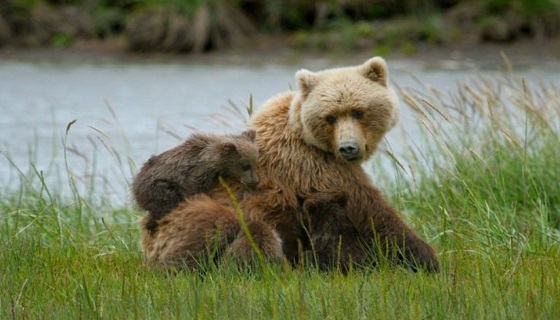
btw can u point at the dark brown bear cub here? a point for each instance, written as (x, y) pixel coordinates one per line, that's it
(191, 168)
(328, 233)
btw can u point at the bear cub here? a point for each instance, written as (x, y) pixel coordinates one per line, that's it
(328, 233)
(201, 232)
(191, 168)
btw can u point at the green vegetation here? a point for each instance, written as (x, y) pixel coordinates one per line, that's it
(203, 25)
(483, 189)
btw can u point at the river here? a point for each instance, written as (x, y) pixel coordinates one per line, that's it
(127, 110)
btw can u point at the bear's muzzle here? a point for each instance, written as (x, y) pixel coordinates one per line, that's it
(349, 150)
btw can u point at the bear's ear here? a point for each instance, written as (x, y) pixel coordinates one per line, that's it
(306, 81)
(227, 148)
(249, 134)
(376, 70)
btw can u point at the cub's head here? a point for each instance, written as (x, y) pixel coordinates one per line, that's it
(238, 157)
(345, 111)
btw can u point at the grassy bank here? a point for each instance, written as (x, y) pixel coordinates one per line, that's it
(485, 193)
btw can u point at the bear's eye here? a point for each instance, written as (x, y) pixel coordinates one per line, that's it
(357, 114)
(330, 119)
(245, 167)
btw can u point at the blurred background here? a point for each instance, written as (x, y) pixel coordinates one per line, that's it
(185, 26)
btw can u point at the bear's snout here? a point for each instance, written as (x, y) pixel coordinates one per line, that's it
(251, 180)
(349, 150)
(350, 140)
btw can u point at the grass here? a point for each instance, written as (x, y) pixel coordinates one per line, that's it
(483, 189)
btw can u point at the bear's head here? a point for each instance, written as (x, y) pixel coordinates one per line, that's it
(345, 111)
(238, 156)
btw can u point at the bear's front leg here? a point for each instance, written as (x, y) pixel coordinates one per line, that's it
(377, 220)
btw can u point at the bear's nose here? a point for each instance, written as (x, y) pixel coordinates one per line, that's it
(252, 182)
(255, 180)
(349, 150)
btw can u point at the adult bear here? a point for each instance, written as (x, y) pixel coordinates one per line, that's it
(314, 142)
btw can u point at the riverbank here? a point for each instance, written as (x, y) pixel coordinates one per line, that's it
(280, 50)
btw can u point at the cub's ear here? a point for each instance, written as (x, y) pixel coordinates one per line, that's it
(376, 70)
(227, 148)
(306, 80)
(249, 134)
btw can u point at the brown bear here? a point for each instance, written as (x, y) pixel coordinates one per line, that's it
(204, 233)
(327, 233)
(315, 141)
(191, 168)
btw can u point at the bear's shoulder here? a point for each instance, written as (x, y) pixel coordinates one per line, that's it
(274, 108)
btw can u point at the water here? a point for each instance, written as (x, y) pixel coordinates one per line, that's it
(127, 111)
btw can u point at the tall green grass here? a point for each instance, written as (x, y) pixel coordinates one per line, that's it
(482, 188)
